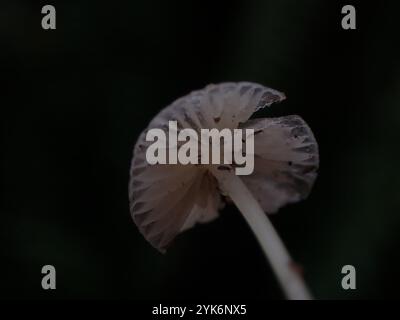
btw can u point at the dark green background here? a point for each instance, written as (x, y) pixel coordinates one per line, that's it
(74, 100)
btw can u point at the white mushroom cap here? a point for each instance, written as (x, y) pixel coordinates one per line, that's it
(167, 199)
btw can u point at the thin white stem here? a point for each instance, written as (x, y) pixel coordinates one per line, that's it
(273, 247)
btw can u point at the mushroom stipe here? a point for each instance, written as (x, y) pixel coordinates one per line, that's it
(166, 199)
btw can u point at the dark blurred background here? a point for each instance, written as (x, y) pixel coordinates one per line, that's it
(74, 100)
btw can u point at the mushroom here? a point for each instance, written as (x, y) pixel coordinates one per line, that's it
(166, 199)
